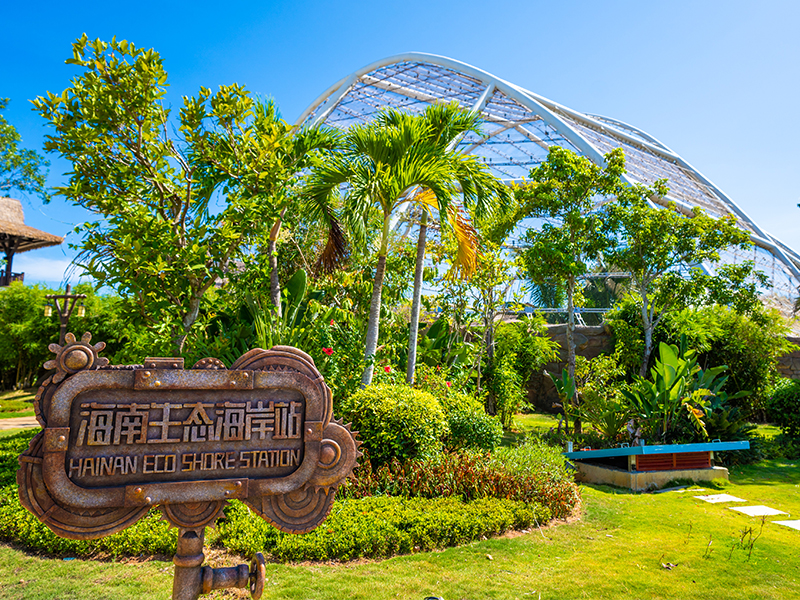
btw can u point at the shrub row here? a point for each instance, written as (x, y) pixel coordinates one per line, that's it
(149, 536)
(359, 525)
(378, 527)
(372, 527)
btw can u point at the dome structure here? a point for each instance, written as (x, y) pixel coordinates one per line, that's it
(519, 128)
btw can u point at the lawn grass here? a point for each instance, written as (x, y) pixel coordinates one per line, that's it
(616, 550)
(17, 403)
(525, 423)
(767, 430)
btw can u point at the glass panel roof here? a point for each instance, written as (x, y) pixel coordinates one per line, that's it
(516, 136)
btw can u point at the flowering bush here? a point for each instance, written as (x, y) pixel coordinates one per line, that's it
(338, 355)
(533, 473)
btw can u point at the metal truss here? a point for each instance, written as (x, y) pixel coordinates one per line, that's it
(519, 127)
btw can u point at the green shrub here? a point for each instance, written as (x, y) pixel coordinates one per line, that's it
(473, 429)
(396, 421)
(783, 408)
(469, 425)
(378, 527)
(750, 345)
(10, 448)
(601, 405)
(526, 339)
(505, 389)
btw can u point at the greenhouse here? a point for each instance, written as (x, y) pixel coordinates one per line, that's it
(520, 126)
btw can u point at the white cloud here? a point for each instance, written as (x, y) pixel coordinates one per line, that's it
(42, 270)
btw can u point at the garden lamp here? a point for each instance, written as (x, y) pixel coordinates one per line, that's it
(65, 309)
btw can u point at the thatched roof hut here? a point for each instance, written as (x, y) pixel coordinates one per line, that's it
(16, 237)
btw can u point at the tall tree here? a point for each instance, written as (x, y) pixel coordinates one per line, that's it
(565, 190)
(662, 250)
(382, 164)
(263, 157)
(446, 124)
(175, 208)
(20, 169)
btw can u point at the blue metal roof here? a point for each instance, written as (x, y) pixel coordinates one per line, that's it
(661, 449)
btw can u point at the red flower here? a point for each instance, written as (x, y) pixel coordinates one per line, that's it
(387, 369)
(448, 383)
(331, 322)
(328, 351)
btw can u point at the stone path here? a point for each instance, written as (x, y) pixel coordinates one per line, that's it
(757, 511)
(18, 423)
(715, 498)
(753, 511)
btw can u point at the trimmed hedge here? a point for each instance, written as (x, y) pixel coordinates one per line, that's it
(396, 421)
(378, 527)
(151, 535)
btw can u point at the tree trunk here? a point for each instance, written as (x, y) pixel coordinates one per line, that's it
(187, 322)
(576, 427)
(272, 250)
(571, 326)
(373, 326)
(647, 325)
(417, 299)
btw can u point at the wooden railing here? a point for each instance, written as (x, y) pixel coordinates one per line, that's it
(14, 277)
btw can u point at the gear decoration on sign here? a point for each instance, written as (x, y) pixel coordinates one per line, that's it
(75, 356)
(299, 511)
(338, 456)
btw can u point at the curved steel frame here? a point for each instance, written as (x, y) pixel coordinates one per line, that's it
(556, 116)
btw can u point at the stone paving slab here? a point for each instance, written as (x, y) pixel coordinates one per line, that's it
(792, 524)
(757, 511)
(715, 498)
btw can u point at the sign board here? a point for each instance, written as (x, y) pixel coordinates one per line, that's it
(118, 440)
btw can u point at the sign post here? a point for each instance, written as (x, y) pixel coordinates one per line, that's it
(117, 441)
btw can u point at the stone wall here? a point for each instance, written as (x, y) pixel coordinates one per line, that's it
(789, 365)
(589, 342)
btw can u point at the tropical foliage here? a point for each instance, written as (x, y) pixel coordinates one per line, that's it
(221, 228)
(174, 211)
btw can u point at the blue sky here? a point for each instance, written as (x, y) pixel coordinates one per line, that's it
(717, 81)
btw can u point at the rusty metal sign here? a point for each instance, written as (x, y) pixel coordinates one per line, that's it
(118, 440)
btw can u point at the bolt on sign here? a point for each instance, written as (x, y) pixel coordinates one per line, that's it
(118, 440)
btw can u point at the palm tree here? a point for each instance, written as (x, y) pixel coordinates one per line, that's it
(447, 123)
(383, 164)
